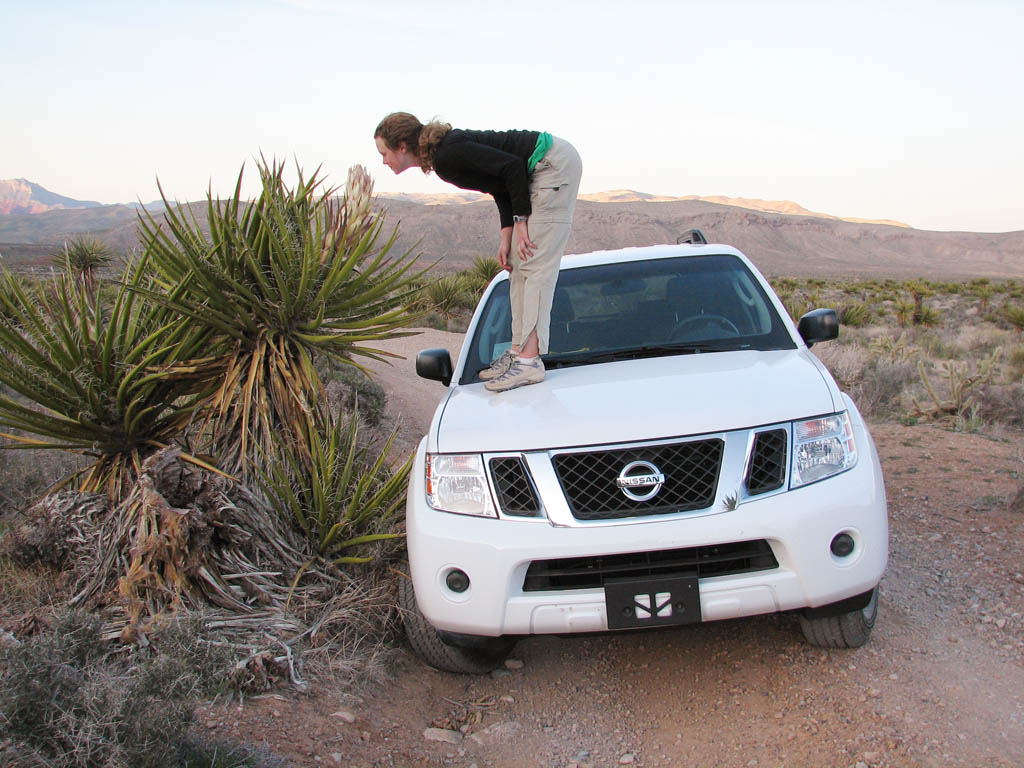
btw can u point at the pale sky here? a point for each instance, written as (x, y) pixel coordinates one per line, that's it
(911, 111)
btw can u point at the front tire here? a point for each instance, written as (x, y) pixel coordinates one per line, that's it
(426, 642)
(847, 630)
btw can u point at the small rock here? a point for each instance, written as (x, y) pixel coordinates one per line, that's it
(345, 715)
(337, 757)
(870, 756)
(508, 699)
(442, 734)
(211, 725)
(1000, 623)
(513, 664)
(497, 674)
(627, 759)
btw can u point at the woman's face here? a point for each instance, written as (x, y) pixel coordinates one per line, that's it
(397, 160)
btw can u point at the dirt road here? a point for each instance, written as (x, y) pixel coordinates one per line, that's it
(941, 683)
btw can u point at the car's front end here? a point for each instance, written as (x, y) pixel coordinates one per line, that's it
(710, 472)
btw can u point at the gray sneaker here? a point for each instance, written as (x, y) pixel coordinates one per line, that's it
(519, 374)
(498, 367)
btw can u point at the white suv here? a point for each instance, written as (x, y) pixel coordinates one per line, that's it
(686, 459)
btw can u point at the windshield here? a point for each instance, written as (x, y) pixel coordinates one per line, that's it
(641, 309)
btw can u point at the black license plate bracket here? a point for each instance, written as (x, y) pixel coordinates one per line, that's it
(635, 603)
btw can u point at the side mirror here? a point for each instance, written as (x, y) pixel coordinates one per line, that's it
(819, 325)
(435, 364)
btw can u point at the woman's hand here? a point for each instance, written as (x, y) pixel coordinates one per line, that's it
(505, 248)
(526, 245)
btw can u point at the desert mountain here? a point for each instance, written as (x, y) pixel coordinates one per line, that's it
(782, 238)
(22, 196)
(631, 196)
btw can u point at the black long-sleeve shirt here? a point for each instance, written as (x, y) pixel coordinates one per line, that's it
(489, 161)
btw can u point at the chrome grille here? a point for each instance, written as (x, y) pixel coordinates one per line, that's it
(691, 476)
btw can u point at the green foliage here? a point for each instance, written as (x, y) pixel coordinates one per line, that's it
(481, 273)
(103, 380)
(797, 306)
(358, 391)
(927, 315)
(82, 257)
(904, 313)
(448, 294)
(1014, 316)
(65, 702)
(338, 493)
(278, 282)
(855, 315)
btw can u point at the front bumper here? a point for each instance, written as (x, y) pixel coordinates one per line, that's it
(798, 526)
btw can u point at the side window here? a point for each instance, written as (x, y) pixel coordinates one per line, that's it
(494, 334)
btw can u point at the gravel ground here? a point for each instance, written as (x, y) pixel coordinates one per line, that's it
(941, 683)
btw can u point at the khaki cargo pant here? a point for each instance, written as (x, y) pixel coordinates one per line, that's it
(553, 188)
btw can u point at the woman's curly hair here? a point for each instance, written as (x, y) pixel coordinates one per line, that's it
(422, 140)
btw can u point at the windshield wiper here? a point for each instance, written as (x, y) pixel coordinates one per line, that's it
(634, 353)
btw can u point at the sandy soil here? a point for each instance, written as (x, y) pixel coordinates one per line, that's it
(941, 683)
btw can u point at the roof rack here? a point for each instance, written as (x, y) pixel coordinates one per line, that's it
(693, 237)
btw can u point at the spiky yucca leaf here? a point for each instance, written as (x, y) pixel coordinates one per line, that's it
(82, 256)
(279, 281)
(339, 493)
(101, 379)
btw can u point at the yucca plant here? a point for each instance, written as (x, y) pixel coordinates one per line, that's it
(480, 274)
(342, 495)
(855, 314)
(1014, 316)
(83, 256)
(447, 294)
(102, 380)
(277, 282)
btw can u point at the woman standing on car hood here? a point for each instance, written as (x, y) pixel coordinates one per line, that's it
(533, 177)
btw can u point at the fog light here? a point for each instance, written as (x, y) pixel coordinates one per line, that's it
(457, 581)
(842, 545)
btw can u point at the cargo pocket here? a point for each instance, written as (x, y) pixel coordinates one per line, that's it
(550, 200)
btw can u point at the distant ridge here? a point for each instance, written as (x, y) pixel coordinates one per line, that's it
(22, 196)
(781, 237)
(787, 207)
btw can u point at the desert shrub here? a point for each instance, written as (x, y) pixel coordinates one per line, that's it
(1015, 362)
(66, 702)
(1014, 316)
(354, 390)
(939, 346)
(93, 378)
(875, 383)
(797, 306)
(341, 493)
(478, 276)
(855, 315)
(448, 294)
(435, 321)
(1002, 404)
(894, 349)
(904, 312)
(83, 257)
(927, 315)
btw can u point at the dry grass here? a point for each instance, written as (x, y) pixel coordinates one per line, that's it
(889, 364)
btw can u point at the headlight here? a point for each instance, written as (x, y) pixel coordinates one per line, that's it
(822, 448)
(457, 483)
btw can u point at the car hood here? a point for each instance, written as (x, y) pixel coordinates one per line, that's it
(632, 400)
